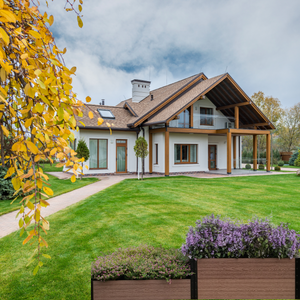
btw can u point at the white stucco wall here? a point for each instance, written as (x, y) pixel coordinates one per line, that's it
(158, 138)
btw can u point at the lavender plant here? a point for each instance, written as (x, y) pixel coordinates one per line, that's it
(143, 262)
(213, 237)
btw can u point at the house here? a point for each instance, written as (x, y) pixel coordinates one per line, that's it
(193, 125)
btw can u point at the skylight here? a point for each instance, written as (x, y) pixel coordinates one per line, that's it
(106, 114)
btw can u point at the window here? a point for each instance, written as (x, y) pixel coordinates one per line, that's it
(156, 154)
(184, 119)
(98, 154)
(185, 154)
(206, 116)
(73, 145)
(106, 114)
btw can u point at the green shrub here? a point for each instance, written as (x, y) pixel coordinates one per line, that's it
(275, 161)
(297, 161)
(277, 168)
(293, 157)
(6, 188)
(280, 163)
(248, 166)
(261, 167)
(286, 162)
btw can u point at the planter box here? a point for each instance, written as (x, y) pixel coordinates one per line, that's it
(141, 289)
(244, 278)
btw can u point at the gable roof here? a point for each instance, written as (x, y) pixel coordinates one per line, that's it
(165, 103)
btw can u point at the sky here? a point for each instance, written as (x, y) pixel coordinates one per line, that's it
(256, 42)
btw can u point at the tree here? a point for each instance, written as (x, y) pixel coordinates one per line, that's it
(289, 129)
(82, 152)
(37, 110)
(141, 150)
(297, 161)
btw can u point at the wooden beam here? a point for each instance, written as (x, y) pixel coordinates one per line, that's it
(237, 117)
(249, 131)
(163, 129)
(191, 116)
(233, 105)
(192, 130)
(234, 152)
(268, 154)
(150, 153)
(255, 125)
(167, 157)
(228, 152)
(254, 152)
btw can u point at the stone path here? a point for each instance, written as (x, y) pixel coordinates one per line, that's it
(9, 224)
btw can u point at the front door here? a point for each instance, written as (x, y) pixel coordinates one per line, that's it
(121, 156)
(212, 157)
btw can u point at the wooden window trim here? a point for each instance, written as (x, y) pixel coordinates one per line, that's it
(98, 154)
(156, 154)
(208, 115)
(189, 156)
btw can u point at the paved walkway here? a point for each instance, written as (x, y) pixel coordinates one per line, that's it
(9, 224)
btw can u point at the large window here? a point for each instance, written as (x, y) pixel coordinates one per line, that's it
(185, 154)
(184, 119)
(156, 154)
(98, 154)
(206, 116)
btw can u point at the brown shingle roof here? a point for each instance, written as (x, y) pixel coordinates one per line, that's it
(182, 101)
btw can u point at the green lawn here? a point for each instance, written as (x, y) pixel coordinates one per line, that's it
(154, 211)
(59, 186)
(49, 168)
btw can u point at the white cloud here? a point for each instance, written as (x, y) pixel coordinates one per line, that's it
(257, 41)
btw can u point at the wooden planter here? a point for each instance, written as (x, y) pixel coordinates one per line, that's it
(244, 278)
(141, 289)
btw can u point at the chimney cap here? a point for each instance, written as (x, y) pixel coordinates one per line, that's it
(139, 80)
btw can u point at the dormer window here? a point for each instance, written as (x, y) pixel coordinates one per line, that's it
(106, 114)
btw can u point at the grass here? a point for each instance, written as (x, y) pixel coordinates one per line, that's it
(156, 211)
(49, 168)
(59, 186)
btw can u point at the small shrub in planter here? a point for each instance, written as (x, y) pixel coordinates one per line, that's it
(248, 166)
(277, 168)
(143, 262)
(261, 167)
(280, 163)
(213, 237)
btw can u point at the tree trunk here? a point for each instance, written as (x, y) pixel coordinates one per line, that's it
(2, 147)
(142, 168)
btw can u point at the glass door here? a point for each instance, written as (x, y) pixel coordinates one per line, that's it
(121, 156)
(212, 157)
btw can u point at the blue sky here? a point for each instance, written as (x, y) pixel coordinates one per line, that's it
(257, 42)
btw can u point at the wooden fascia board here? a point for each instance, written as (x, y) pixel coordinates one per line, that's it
(250, 131)
(191, 130)
(233, 105)
(248, 99)
(255, 124)
(196, 99)
(157, 130)
(168, 100)
(126, 105)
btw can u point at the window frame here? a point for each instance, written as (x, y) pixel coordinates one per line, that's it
(206, 108)
(98, 154)
(108, 118)
(156, 153)
(185, 123)
(189, 154)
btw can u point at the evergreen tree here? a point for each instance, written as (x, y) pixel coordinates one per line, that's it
(82, 152)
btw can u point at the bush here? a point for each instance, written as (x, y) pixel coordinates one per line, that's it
(286, 162)
(248, 166)
(261, 167)
(293, 157)
(216, 238)
(143, 262)
(280, 163)
(277, 168)
(6, 188)
(297, 160)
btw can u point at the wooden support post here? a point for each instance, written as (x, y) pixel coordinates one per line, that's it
(268, 156)
(228, 152)
(234, 151)
(150, 153)
(237, 117)
(167, 153)
(191, 125)
(254, 152)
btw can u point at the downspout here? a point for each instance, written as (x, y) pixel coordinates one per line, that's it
(143, 158)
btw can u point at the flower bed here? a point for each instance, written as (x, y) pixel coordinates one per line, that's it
(142, 272)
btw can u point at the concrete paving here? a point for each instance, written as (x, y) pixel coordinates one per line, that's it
(9, 223)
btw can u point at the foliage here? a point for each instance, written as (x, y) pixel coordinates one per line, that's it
(289, 129)
(143, 262)
(141, 150)
(82, 150)
(280, 163)
(294, 157)
(261, 167)
(248, 166)
(6, 188)
(297, 160)
(216, 238)
(286, 162)
(37, 109)
(277, 168)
